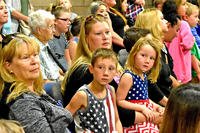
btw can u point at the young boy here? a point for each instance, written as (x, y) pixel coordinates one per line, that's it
(192, 14)
(94, 105)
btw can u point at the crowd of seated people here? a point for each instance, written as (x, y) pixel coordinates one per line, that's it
(117, 69)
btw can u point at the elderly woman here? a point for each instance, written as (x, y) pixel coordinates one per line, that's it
(3, 15)
(21, 80)
(42, 26)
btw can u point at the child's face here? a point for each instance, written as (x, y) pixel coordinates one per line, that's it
(193, 19)
(103, 70)
(63, 22)
(145, 58)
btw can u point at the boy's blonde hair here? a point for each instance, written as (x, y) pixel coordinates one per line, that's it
(104, 53)
(191, 8)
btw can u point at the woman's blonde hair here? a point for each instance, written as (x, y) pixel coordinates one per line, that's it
(150, 19)
(10, 126)
(154, 72)
(8, 52)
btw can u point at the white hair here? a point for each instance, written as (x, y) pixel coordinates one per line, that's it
(39, 19)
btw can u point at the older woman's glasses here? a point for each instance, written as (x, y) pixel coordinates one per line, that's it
(7, 38)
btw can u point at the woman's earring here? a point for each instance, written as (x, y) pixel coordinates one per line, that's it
(11, 72)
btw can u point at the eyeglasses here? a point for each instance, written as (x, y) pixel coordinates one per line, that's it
(65, 19)
(7, 38)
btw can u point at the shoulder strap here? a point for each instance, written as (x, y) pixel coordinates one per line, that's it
(56, 60)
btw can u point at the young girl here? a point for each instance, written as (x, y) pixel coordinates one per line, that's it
(132, 92)
(96, 111)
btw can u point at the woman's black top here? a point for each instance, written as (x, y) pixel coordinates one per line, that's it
(118, 26)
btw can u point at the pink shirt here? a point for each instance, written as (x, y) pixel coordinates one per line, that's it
(179, 49)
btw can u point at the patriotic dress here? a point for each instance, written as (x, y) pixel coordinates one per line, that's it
(99, 116)
(138, 94)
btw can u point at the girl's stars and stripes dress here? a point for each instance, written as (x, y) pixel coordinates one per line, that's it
(138, 93)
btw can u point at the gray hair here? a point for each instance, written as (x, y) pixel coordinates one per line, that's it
(94, 6)
(39, 19)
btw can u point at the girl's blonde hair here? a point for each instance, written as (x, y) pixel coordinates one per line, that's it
(150, 19)
(8, 52)
(154, 72)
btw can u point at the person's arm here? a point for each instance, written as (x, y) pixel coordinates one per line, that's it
(116, 39)
(19, 16)
(75, 103)
(67, 57)
(175, 82)
(72, 49)
(33, 118)
(196, 66)
(163, 101)
(155, 94)
(187, 37)
(117, 120)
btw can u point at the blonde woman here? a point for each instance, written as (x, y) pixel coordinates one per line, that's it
(27, 101)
